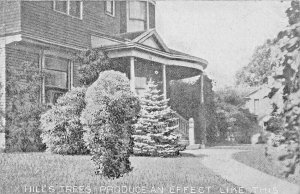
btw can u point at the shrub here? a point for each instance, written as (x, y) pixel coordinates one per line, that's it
(23, 107)
(62, 130)
(185, 99)
(108, 119)
(233, 122)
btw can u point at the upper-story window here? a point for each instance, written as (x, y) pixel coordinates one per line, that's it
(69, 7)
(137, 10)
(110, 7)
(137, 16)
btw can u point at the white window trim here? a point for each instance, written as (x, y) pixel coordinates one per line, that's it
(113, 14)
(68, 9)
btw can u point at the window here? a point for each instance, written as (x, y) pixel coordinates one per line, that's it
(137, 16)
(56, 82)
(69, 7)
(110, 7)
(137, 10)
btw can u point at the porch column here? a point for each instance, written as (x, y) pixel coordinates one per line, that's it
(202, 88)
(2, 91)
(204, 140)
(132, 75)
(164, 82)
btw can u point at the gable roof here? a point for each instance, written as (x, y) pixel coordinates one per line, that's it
(148, 41)
(144, 37)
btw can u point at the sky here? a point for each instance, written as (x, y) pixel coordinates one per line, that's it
(225, 33)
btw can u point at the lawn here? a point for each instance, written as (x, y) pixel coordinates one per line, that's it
(255, 157)
(47, 173)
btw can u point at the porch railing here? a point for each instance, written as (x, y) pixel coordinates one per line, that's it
(183, 126)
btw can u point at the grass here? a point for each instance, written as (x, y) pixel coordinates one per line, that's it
(255, 157)
(32, 172)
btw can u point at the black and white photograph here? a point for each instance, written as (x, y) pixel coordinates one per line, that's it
(150, 96)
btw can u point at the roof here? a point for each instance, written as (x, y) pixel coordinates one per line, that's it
(179, 53)
(139, 40)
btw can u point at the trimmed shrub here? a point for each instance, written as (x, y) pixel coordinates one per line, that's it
(109, 117)
(62, 130)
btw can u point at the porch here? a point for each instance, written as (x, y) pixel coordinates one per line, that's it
(143, 56)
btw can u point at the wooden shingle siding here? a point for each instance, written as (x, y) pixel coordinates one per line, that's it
(16, 57)
(123, 17)
(40, 21)
(10, 17)
(151, 15)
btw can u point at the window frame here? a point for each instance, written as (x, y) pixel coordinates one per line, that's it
(145, 11)
(113, 14)
(56, 70)
(68, 9)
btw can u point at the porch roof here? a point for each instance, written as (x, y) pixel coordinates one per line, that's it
(147, 45)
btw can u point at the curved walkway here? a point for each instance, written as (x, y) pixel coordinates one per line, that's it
(220, 161)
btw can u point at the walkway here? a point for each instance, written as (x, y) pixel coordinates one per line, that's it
(221, 162)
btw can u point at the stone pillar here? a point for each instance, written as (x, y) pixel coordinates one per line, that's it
(132, 75)
(2, 92)
(192, 145)
(164, 75)
(191, 131)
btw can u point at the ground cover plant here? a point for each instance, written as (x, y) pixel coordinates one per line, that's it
(42, 169)
(255, 157)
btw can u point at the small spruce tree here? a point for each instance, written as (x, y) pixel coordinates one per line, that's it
(155, 131)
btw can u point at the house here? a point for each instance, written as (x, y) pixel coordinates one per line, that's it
(260, 104)
(49, 33)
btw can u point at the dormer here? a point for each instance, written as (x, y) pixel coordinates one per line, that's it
(137, 15)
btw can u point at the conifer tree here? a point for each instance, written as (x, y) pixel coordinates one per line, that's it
(155, 131)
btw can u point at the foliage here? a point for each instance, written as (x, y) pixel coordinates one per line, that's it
(23, 107)
(155, 131)
(275, 124)
(94, 61)
(62, 130)
(108, 119)
(259, 68)
(185, 99)
(285, 56)
(234, 123)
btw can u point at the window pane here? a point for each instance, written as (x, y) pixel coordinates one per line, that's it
(75, 8)
(56, 79)
(56, 64)
(137, 10)
(135, 25)
(52, 95)
(61, 6)
(109, 7)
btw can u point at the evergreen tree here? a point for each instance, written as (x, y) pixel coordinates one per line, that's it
(155, 131)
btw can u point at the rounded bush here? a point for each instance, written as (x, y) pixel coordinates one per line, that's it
(108, 120)
(62, 131)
